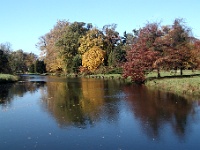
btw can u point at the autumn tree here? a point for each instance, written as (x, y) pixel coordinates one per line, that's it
(166, 47)
(60, 46)
(142, 55)
(93, 37)
(196, 53)
(176, 47)
(50, 52)
(93, 58)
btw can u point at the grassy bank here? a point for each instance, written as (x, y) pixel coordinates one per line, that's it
(187, 85)
(173, 74)
(184, 86)
(4, 78)
(109, 76)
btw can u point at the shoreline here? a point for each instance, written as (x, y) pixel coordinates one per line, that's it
(187, 86)
(8, 78)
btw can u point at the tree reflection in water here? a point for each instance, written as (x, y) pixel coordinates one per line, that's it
(61, 99)
(9, 91)
(155, 109)
(80, 103)
(4, 98)
(83, 103)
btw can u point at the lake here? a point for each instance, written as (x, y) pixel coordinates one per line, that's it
(57, 113)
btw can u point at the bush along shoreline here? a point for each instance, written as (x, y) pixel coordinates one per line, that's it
(6, 78)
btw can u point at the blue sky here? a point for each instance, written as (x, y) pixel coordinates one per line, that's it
(24, 21)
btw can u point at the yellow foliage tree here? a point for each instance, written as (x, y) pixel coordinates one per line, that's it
(94, 37)
(93, 58)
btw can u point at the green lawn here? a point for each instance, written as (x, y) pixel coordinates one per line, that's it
(7, 78)
(172, 73)
(183, 86)
(107, 75)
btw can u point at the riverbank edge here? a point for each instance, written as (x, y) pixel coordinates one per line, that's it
(187, 87)
(8, 78)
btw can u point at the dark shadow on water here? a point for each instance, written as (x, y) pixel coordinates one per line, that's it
(4, 92)
(10, 90)
(154, 109)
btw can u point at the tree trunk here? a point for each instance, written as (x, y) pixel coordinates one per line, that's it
(158, 71)
(181, 71)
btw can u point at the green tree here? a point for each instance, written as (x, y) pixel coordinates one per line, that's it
(128, 40)
(32, 68)
(5, 49)
(30, 61)
(76, 63)
(4, 64)
(118, 56)
(111, 37)
(17, 61)
(68, 44)
(40, 66)
(21, 62)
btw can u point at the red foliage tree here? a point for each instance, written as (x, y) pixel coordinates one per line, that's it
(141, 57)
(175, 46)
(165, 48)
(196, 54)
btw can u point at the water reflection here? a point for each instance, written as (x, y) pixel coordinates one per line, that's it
(62, 100)
(156, 109)
(9, 91)
(83, 103)
(89, 103)
(4, 93)
(79, 102)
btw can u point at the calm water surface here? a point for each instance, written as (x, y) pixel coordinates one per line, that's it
(55, 113)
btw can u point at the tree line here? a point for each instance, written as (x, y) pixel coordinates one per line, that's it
(13, 62)
(80, 47)
(169, 47)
